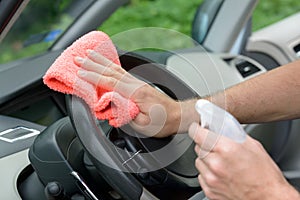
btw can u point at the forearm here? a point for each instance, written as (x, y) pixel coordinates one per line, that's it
(272, 96)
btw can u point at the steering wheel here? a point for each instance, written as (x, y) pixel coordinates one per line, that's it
(135, 165)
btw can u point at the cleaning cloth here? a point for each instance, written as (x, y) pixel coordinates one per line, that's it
(62, 77)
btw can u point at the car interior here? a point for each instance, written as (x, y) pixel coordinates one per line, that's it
(46, 150)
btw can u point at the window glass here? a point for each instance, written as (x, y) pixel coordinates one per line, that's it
(38, 27)
(268, 12)
(178, 15)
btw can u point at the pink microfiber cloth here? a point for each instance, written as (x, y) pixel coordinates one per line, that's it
(62, 77)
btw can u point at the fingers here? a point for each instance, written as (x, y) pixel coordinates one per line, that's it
(98, 63)
(125, 85)
(153, 122)
(103, 73)
(207, 180)
(201, 167)
(98, 58)
(105, 82)
(206, 140)
(92, 66)
(105, 62)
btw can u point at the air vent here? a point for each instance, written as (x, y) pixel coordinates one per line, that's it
(246, 68)
(297, 50)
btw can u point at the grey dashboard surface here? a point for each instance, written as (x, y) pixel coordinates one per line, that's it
(16, 135)
(208, 73)
(18, 76)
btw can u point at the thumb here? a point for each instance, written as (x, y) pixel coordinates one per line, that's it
(204, 138)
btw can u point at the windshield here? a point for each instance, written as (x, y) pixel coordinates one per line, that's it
(38, 27)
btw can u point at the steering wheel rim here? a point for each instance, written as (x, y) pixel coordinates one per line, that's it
(97, 144)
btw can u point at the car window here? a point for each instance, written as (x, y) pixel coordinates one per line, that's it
(269, 12)
(175, 15)
(38, 27)
(178, 15)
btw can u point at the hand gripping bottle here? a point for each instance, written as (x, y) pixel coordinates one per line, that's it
(219, 121)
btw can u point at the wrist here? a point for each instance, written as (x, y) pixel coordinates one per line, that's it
(187, 115)
(292, 193)
(222, 100)
(283, 191)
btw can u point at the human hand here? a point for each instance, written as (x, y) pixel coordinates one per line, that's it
(230, 170)
(159, 114)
